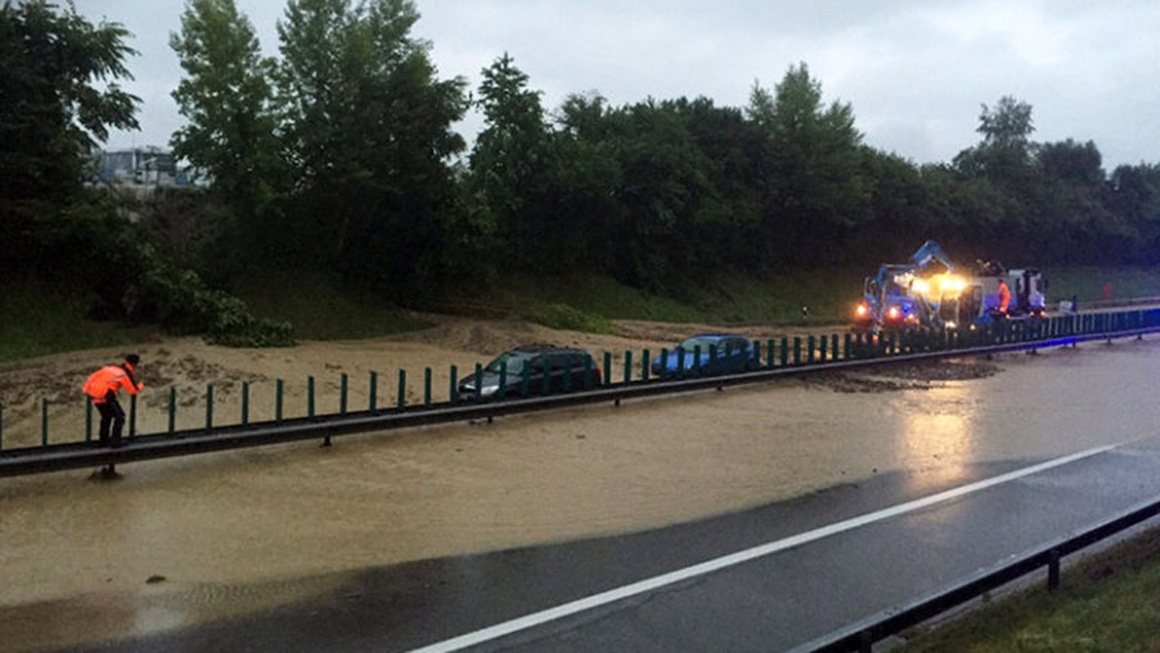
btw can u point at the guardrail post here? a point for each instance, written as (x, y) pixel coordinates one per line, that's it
(680, 353)
(823, 345)
(401, 398)
(278, 387)
(812, 342)
(310, 397)
(587, 373)
(784, 352)
(427, 385)
(132, 416)
(245, 403)
(1053, 570)
(453, 387)
(373, 391)
(663, 372)
(756, 354)
(479, 381)
(44, 422)
(607, 368)
(797, 350)
(342, 389)
(209, 407)
(834, 347)
(697, 360)
(89, 418)
(499, 391)
(645, 369)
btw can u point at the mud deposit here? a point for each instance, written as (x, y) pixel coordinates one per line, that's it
(184, 541)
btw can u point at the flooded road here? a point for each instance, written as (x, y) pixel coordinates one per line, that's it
(185, 541)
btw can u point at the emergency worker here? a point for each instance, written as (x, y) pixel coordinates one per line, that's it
(104, 386)
(1004, 297)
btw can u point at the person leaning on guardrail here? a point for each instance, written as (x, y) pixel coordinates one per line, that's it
(104, 386)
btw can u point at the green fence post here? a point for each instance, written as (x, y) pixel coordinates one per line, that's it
(607, 368)
(680, 354)
(453, 388)
(172, 417)
(88, 419)
(756, 353)
(785, 352)
(823, 344)
(770, 353)
(245, 403)
(834, 347)
(797, 350)
(499, 392)
(342, 389)
(587, 373)
(373, 391)
(479, 381)
(401, 398)
(278, 387)
(697, 360)
(663, 372)
(44, 422)
(645, 366)
(427, 386)
(209, 407)
(712, 354)
(810, 352)
(132, 416)
(310, 397)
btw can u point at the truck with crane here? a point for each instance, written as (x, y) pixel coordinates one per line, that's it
(928, 291)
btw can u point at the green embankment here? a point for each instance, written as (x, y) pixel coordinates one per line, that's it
(37, 319)
(1109, 602)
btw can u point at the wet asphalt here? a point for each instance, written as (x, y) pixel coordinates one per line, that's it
(770, 603)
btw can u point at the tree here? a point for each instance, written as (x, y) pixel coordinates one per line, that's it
(369, 129)
(227, 98)
(815, 193)
(1005, 152)
(510, 159)
(53, 109)
(58, 98)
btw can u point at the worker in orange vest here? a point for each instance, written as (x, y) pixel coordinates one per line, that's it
(104, 386)
(1004, 297)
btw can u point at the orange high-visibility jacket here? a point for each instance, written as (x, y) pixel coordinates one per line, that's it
(1004, 297)
(110, 378)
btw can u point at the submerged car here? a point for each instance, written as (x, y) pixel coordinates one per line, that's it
(534, 369)
(708, 353)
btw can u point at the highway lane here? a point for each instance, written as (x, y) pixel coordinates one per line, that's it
(769, 602)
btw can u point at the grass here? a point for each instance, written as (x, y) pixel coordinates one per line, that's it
(320, 311)
(38, 319)
(1108, 602)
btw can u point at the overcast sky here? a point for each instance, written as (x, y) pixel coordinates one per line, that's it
(915, 72)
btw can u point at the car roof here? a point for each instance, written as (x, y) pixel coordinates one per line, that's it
(546, 349)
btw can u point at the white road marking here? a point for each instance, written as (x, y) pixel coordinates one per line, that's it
(596, 600)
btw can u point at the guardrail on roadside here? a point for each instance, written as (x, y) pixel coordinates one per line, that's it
(862, 635)
(804, 356)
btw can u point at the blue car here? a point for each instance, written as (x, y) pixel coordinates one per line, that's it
(721, 353)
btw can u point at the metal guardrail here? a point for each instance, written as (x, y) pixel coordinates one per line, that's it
(859, 351)
(862, 635)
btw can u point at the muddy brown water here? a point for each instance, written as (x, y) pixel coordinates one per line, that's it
(183, 541)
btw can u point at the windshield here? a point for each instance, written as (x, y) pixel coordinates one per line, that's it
(515, 362)
(699, 341)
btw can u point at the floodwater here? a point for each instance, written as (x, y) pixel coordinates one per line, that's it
(185, 541)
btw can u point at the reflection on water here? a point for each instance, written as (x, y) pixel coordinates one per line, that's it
(937, 431)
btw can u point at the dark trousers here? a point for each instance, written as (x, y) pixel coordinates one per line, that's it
(111, 416)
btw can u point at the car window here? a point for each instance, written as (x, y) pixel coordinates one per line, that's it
(515, 362)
